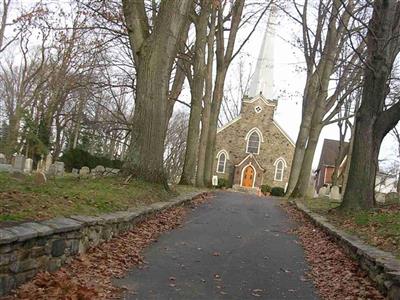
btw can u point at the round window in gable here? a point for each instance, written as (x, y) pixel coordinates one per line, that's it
(258, 109)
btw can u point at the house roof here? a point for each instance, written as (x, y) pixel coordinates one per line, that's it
(330, 151)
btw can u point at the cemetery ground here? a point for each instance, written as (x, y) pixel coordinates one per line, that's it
(379, 227)
(22, 200)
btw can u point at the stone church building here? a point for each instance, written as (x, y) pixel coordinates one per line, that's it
(253, 149)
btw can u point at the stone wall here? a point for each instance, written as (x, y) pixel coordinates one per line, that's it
(32, 247)
(382, 267)
(233, 139)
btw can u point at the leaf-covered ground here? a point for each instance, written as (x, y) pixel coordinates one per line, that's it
(89, 276)
(335, 274)
(379, 227)
(21, 199)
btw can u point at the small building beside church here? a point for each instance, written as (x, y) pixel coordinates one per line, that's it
(252, 149)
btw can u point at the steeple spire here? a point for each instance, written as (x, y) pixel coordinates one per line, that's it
(263, 77)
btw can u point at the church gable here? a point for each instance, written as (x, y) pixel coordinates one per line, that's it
(254, 136)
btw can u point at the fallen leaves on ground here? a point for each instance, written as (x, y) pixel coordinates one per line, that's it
(335, 274)
(88, 276)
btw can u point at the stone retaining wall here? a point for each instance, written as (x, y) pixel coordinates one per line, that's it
(32, 247)
(382, 267)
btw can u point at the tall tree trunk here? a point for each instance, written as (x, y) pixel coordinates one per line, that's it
(363, 166)
(348, 160)
(304, 177)
(372, 121)
(205, 118)
(197, 88)
(154, 52)
(223, 58)
(300, 150)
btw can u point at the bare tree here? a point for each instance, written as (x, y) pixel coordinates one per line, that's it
(374, 118)
(154, 50)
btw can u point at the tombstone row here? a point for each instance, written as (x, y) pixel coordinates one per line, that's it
(21, 164)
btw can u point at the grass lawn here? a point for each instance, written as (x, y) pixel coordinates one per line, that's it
(21, 199)
(379, 227)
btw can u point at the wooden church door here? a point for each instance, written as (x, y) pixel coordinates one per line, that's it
(248, 177)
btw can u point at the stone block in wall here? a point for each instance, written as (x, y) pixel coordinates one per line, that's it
(7, 236)
(58, 248)
(88, 220)
(63, 224)
(41, 229)
(7, 283)
(19, 266)
(23, 232)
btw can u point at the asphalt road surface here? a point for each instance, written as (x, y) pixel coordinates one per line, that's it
(237, 246)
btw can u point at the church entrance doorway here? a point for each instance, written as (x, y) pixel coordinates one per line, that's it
(248, 177)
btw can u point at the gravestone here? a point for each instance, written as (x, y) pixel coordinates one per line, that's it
(75, 172)
(214, 180)
(52, 171)
(40, 178)
(59, 168)
(380, 197)
(48, 162)
(323, 192)
(5, 168)
(19, 163)
(392, 198)
(28, 165)
(98, 171)
(335, 193)
(84, 172)
(3, 159)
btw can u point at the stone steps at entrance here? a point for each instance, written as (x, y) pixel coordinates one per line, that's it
(238, 188)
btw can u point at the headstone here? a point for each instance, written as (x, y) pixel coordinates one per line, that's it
(335, 193)
(40, 178)
(52, 171)
(75, 172)
(59, 168)
(380, 197)
(84, 172)
(28, 165)
(48, 162)
(3, 159)
(19, 163)
(392, 198)
(323, 191)
(214, 180)
(98, 171)
(5, 168)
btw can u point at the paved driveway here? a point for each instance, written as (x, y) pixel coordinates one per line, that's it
(235, 247)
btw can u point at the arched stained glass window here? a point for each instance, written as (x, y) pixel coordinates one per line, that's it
(253, 143)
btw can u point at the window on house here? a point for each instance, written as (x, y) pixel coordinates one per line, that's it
(258, 109)
(279, 169)
(253, 143)
(221, 163)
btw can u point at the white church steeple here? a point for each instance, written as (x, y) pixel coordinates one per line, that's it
(263, 77)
